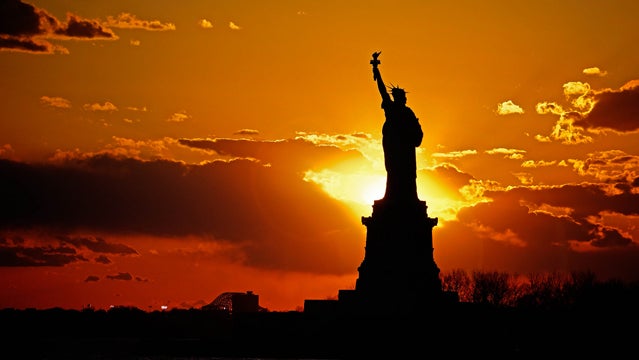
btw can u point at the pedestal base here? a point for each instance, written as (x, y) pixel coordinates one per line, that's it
(398, 269)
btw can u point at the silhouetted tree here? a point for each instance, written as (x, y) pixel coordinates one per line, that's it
(459, 282)
(491, 288)
(579, 287)
(543, 290)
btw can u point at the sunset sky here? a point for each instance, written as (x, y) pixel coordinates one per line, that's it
(164, 152)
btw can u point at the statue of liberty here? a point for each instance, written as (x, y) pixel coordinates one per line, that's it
(401, 134)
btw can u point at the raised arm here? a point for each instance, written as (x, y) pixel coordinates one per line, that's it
(377, 76)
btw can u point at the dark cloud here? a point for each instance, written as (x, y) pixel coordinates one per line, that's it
(247, 132)
(528, 230)
(102, 259)
(19, 23)
(28, 45)
(20, 19)
(611, 237)
(98, 245)
(120, 276)
(275, 217)
(584, 203)
(82, 28)
(616, 110)
(46, 251)
(535, 229)
(13, 253)
(24, 27)
(91, 278)
(299, 154)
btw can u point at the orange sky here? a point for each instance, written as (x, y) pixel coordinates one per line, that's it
(160, 153)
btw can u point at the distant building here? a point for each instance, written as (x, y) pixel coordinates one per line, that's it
(236, 302)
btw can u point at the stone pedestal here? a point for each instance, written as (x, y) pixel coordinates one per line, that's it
(398, 273)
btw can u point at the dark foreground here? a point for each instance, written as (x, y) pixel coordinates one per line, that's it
(452, 331)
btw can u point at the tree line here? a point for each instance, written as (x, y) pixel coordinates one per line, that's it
(551, 290)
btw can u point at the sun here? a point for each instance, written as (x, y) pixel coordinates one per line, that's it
(372, 190)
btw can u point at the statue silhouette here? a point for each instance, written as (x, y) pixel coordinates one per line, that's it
(401, 134)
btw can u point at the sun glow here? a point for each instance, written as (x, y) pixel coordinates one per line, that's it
(372, 190)
(360, 190)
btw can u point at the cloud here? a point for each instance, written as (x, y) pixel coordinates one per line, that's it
(509, 107)
(595, 111)
(548, 228)
(56, 101)
(33, 249)
(536, 164)
(15, 251)
(580, 203)
(19, 18)
(616, 110)
(232, 26)
(578, 88)
(455, 154)
(135, 42)
(524, 177)
(264, 211)
(130, 21)
(610, 166)
(92, 278)
(136, 108)
(205, 24)
(77, 28)
(542, 138)
(102, 259)
(449, 181)
(246, 132)
(309, 155)
(152, 149)
(358, 140)
(30, 45)
(514, 154)
(179, 117)
(26, 28)
(566, 131)
(20, 26)
(549, 108)
(107, 106)
(120, 276)
(97, 245)
(594, 71)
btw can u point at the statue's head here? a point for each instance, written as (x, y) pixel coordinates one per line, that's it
(399, 94)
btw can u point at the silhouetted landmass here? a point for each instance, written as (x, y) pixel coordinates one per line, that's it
(600, 318)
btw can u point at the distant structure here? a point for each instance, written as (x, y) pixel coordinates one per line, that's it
(398, 274)
(236, 302)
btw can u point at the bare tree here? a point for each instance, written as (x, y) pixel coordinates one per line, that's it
(490, 288)
(543, 290)
(459, 282)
